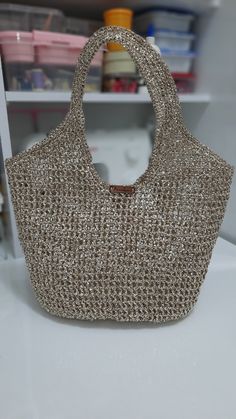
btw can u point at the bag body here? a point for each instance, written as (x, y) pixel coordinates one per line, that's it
(128, 253)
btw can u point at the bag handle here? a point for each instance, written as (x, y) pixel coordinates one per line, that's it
(151, 66)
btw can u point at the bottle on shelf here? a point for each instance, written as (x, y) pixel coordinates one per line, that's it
(150, 38)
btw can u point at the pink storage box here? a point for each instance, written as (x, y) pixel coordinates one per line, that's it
(17, 46)
(58, 48)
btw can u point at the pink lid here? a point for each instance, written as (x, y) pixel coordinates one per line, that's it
(15, 36)
(59, 39)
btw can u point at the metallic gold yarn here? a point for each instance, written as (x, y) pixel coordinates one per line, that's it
(93, 254)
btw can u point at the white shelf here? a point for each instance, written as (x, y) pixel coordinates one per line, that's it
(64, 97)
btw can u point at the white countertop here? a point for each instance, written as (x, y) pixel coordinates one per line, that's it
(62, 369)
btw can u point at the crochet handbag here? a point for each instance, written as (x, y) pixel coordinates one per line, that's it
(135, 252)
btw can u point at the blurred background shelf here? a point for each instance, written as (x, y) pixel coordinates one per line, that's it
(94, 8)
(64, 97)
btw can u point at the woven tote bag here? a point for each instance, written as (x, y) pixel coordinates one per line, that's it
(135, 252)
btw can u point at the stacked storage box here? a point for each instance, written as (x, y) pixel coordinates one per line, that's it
(37, 55)
(57, 54)
(85, 27)
(172, 31)
(26, 18)
(40, 60)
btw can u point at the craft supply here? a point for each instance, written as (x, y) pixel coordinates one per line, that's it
(151, 39)
(142, 88)
(118, 17)
(37, 76)
(118, 62)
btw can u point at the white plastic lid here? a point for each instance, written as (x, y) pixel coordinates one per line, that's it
(163, 33)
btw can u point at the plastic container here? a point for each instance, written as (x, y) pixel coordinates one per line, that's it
(14, 17)
(151, 39)
(118, 62)
(23, 76)
(17, 47)
(185, 83)
(45, 61)
(84, 27)
(27, 18)
(57, 54)
(142, 88)
(161, 19)
(57, 48)
(118, 17)
(63, 49)
(45, 19)
(175, 41)
(17, 76)
(179, 63)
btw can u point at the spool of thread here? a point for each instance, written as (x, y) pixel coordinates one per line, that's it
(38, 79)
(118, 17)
(118, 62)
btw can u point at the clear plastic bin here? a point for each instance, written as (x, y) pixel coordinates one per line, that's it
(57, 48)
(26, 18)
(175, 41)
(30, 77)
(179, 63)
(13, 17)
(161, 19)
(17, 76)
(45, 19)
(45, 61)
(59, 77)
(84, 27)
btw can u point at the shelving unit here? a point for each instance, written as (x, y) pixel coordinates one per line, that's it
(64, 97)
(204, 111)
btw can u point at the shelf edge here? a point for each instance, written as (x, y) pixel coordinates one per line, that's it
(64, 97)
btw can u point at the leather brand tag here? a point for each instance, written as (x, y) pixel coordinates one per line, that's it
(122, 189)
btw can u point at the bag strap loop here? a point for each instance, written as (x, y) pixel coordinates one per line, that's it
(151, 66)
